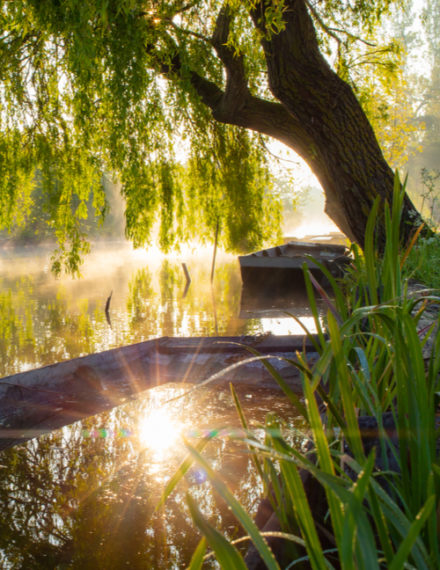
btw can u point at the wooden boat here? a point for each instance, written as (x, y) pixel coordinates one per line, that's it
(38, 401)
(279, 270)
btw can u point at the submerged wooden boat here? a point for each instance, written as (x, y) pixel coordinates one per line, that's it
(279, 270)
(38, 401)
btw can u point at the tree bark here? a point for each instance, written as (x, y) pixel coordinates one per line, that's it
(317, 115)
(346, 157)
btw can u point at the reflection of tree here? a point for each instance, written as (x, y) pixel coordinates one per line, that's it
(83, 501)
(140, 297)
(170, 312)
(17, 341)
(36, 331)
(40, 327)
(156, 307)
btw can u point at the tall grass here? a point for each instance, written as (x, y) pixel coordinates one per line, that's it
(423, 263)
(377, 495)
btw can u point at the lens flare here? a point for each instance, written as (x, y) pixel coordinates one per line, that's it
(158, 431)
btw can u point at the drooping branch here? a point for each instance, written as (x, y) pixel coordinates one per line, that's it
(315, 112)
(235, 104)
(333, 32)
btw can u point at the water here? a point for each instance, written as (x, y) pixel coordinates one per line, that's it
(84, 496)
(44, 320)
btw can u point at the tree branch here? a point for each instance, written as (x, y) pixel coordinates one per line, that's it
(236, 90)
(235, 105)
(265, 117)
(333, 32)
(186, 32)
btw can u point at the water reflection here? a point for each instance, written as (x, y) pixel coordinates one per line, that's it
(159, 432)
(44, 320)
(84, 496)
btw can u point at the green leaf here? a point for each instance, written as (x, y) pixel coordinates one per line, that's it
(255, 458)
(245, 520)
(294, 398)
(324, 457)
(344, 383)
(304, 515)
(180, 473)
(226, 554)
(369, 250)
(197, 557)
(412, 535)
(357, 530)
(81, 211)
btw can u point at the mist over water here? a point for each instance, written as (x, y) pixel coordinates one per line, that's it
(46, 320)
(310, 218)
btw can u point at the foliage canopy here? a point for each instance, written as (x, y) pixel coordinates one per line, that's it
(111, 85)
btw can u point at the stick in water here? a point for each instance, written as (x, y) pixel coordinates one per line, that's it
(107, 307)
(188, 279)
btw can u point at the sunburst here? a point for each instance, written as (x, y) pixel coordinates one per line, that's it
(158, 431)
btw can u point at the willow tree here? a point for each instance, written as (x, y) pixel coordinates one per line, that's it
(111, 85)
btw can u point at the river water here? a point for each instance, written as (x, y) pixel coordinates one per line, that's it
(84, 496)
(45, 320)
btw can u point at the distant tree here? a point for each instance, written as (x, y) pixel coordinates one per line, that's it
(111, 85)
(430, 108)
(417, 109)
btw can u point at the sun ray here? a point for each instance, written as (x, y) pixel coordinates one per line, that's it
(159, 431)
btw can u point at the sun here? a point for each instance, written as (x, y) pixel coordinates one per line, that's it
(158, 431)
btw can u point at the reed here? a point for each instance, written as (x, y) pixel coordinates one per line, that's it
(381, 501)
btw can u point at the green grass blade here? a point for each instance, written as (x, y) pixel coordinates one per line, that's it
(362, 383)
(198, 555)
(313, 306)
(412, 535)
(244, 424)
(397, 521)
(325, 298)
(433, 522)
(381, 527)
(344, 382)
(357, 530)
(324, 457)
(290, 394)
(227, 555)
(332, 408)
(304, 514)
(239, 512)
(180, 473)
(310, 336)
(370, 253)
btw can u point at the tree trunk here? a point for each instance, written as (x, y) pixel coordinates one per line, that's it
(344, 153)
(317, 115)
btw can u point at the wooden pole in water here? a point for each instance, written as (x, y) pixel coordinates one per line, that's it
(215, 251)
(107, 310)
(188, 279)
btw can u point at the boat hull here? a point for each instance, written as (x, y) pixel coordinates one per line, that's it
(37, 401)
(279, 271)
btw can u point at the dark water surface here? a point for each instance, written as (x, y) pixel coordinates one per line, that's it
(84, 496)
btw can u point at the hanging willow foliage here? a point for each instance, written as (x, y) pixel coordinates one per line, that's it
(157, 95)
